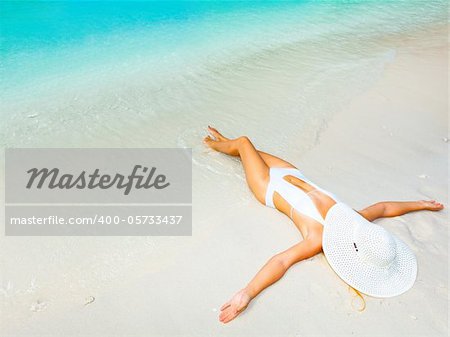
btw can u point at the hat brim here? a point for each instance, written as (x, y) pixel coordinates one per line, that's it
(365, 277)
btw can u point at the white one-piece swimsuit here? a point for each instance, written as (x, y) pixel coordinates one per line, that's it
(295, 196)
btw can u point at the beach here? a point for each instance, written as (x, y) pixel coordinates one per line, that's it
(369, 128)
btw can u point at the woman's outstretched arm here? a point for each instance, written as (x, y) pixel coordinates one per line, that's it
(271, 272)
(386, 209)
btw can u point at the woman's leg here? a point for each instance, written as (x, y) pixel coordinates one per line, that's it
(256, 170)
(269, 159)
(387, 209)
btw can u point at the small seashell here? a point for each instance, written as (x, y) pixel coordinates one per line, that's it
(32, 116)
(445, 139)
(38, 306)
(413, 317)
(423, 176)
(89, 300)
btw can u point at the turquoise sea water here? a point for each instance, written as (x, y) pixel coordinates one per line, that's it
(82, 73)
(46, 38)
(155, 73)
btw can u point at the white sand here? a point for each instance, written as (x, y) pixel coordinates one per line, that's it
(387, 145)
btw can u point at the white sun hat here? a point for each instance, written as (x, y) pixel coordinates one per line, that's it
(365, 255)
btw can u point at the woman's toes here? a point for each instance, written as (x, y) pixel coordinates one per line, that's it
(216, 133)
(209, 142)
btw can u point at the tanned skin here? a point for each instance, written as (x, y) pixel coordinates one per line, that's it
(256, 166)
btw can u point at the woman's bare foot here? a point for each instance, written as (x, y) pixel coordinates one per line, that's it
(216, 137)
(235, 306)
(208, 140)
(217, 134)
(431, 205)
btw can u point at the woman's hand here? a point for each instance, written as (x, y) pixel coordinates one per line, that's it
(237, 304)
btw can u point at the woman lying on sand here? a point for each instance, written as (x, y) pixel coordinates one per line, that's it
(363, 254)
